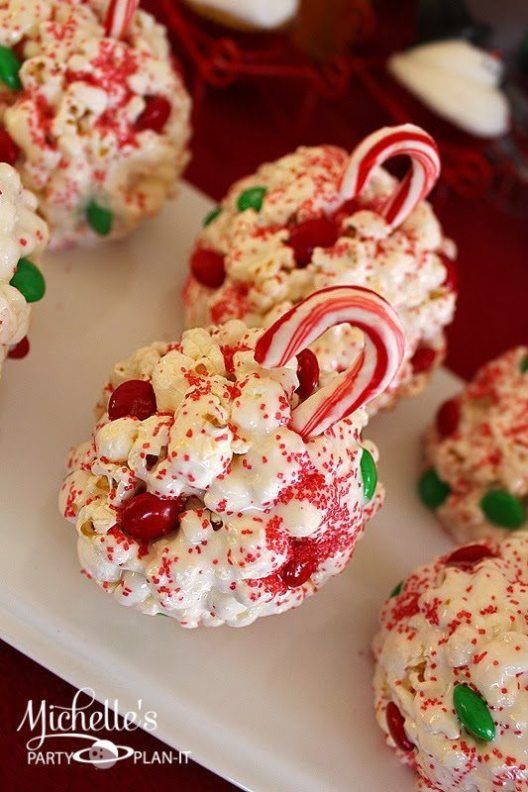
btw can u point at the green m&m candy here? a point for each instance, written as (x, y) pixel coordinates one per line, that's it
(523, 365)
(99, 218)
(369, 474)
(432, 490)
(503, 509)
(9, 69)
(473, 713)
(210, 216)
(396, 590)
(29, 281)
(251, 199)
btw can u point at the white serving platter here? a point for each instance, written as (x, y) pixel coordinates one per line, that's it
(282, 705)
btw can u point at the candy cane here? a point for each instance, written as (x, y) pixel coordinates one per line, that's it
(372, 372)
(118, 17)
(378, 148)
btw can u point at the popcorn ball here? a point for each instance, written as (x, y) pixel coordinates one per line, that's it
(23, 236)
(222, 483)
(320, 217)
(95, 117)
(476, 472)
(451, 679)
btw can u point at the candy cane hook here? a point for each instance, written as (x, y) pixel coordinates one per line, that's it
(118, 17)
(379, 147)
(372, 372)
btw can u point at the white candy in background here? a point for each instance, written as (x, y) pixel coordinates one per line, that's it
(262, 14)
(459, 82)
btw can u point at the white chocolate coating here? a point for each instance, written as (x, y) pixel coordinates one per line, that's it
(74, 119)
(22, 234)
(262, 279)
(449, 626)
(256, 496)
(489, 449)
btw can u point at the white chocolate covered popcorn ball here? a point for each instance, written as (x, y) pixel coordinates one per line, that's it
(23, 237)
(221, 482)
(320, 217)
(451, 679)
(95, 117)
(476, 452)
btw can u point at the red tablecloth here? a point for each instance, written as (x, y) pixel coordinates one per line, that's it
(234, 131)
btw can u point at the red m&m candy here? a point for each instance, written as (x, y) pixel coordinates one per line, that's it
(20, 350)
(304, 237)
(147, 517)
(396, 727)
(155, 115)
(423, 360)
(9, 150)
(134, 399)
(447, 418)
(297, 571)
(208, 267)
(468, 556)
(307, 372)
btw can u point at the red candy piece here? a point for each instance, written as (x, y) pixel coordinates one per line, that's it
(20, 350)
(208, 267)
(133, 398)
(146, 517)
(307, 372)
(155, 115)
(9, 150)
(468, 556)
(396, 727)
(297, 571)
(447, 418)
(319, 232)
(451, 278)
(423, 359)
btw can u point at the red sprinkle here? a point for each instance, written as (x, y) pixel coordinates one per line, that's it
(297, 571)
(319, 232)
(9, 150)
(396, 727)
(20, 350)
(155, 115)
(307, 372)
(133, 398)
(468, 556)
(208, 267)
(146, 517)
(447, 418)
(423, 359)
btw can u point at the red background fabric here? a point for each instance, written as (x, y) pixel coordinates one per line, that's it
(235, 130)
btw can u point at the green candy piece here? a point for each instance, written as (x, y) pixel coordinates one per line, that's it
(251, 199)
(29, 281)
(99, 218)
(432, 490)
(503, 509)
(396, 590)
(473, 713)
(369, 474)
(9, 69)
(524, 365)
(210, 216)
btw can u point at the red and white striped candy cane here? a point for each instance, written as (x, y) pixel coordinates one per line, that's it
(371, 374)
(390, 142)
(118, 17)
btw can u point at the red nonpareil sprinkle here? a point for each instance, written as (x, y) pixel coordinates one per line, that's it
(146, 517)
(423, 360)
(155, 115)
(9, 150)
(304, 237)
(20, 350)
(396, 727)
(208, 267)
(133, 398)
(468, 556)
(307, 373)
(447, 418)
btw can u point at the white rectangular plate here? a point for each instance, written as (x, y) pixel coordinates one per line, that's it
(282, 705)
